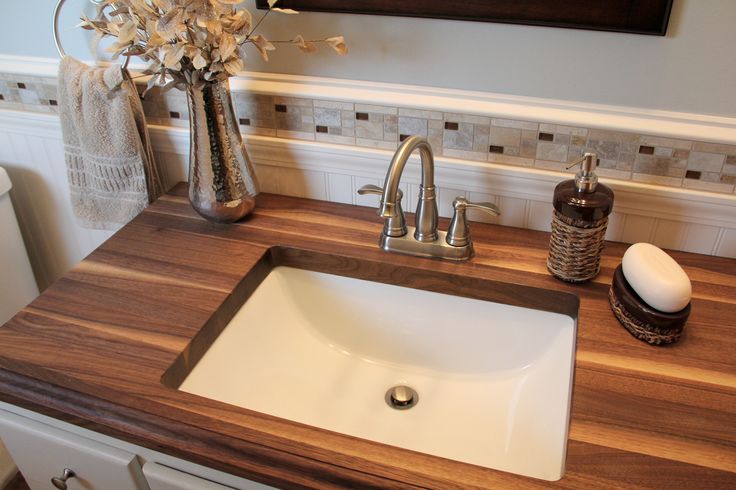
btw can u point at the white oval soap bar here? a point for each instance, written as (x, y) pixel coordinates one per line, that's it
(656, 278)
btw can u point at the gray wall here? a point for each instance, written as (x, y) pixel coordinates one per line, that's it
(692, 69)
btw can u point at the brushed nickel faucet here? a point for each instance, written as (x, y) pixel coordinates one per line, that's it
(423, 239)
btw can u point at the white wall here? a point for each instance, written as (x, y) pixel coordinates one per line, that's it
(689, 70)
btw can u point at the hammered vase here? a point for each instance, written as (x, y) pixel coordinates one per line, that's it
(222, 181)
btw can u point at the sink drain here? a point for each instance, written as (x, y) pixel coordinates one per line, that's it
(401, 397)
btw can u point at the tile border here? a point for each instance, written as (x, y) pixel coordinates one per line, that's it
(675, 150)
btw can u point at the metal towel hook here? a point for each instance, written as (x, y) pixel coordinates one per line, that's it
(57, 40)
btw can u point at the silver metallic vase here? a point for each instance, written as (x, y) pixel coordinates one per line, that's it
(222, 181)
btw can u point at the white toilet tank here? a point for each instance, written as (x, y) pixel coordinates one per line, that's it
(17, 284)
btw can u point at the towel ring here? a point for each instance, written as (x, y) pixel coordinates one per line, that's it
(57, 41)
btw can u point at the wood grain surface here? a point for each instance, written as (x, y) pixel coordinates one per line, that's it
(103, 347)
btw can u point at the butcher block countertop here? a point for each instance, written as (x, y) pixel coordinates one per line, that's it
(103, 345)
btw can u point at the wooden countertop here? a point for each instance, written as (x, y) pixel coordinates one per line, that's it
(93, 348)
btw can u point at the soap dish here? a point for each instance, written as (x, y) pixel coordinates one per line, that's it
(641, 320)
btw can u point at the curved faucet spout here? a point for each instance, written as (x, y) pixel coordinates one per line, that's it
(426, 215)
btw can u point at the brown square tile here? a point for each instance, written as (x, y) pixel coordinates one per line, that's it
(21, 85)
(496, 149)
(681, 154)
(174, 115)
(53, 102)
(692, 174)
(646, 150)
(280, 108)
(244, 121)
(402, 137)
(361, 116)
(321, 129)
(452, 126)
(546, 136)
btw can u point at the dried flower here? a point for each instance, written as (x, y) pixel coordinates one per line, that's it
(189, 42)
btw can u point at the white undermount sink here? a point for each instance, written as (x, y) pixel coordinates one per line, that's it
(493, 380)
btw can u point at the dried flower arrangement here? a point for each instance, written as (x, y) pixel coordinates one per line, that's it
(189, 42)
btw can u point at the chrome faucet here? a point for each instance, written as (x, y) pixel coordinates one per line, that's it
(426, 216)
(426, 240)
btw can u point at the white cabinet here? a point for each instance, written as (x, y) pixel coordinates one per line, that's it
(164, 478)
(42, 452)
(160, 477)
(43, 447)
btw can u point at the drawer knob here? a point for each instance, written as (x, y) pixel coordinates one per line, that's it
(60, 482)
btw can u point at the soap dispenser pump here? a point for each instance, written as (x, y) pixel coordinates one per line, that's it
(579, 222)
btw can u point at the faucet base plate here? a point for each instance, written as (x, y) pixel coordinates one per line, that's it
(438, 249)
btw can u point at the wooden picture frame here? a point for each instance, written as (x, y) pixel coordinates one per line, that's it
(632, 16)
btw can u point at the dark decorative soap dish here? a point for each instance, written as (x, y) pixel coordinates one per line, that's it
(641, 320)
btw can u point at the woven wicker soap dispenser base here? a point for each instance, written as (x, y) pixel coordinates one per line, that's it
(575, 248)
(579, 222)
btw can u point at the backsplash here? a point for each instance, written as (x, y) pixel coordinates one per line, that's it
(624, 156)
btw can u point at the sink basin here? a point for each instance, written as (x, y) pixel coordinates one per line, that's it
(319, 339)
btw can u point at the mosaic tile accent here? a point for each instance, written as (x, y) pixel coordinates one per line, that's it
(28, 93)
(624, 156)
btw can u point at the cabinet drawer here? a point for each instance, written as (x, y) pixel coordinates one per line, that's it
(164, 478)
(42, 452)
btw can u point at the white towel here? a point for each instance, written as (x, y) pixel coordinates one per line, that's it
(111, 170)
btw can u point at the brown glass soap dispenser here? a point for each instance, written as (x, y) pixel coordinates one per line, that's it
(581, 209)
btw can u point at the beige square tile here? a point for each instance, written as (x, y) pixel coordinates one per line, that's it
(327, 116)
(706, 162)
(460, 139)
(551, 151)
(577, 140)
(369, 130)
(412, 125)
(501, 136)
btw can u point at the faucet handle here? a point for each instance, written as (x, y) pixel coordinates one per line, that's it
(458, 234)
(396, 226)
(374, 189)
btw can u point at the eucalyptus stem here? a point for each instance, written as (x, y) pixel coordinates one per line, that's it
(257, 24)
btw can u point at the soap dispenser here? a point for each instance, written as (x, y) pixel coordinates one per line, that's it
(581, 209)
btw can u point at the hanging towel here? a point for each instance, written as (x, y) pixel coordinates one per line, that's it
(110, 166)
